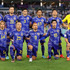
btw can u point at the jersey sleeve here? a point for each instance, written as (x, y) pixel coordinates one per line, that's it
(48, 22)
(18, 18)
(1, 17)
(33, 20)
(45, 21)
(5, 19)
(48, 34)
(61, 22)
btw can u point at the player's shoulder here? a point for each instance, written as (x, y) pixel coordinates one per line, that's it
(1, 15)
(68, 15)
(7, 15)
(35, 17)
(30, 31)
(20, 16)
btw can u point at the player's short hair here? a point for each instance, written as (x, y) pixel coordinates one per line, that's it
(24, 9)
(34, 23)
(53, 20)
(11, 7)
(18, 22)
(38, 10)
(2, 22)
(54, 10)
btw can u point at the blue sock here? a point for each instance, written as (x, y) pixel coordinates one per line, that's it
(52, 54)
(60, 48)
(30, 53)
(7, 49)
(67, 53)
(12, 52)
(49, 52)
(42, 48)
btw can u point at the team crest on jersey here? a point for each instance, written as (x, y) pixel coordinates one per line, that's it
(57, 20)
(42, 20)
(21, 34)
(38, 33)
(57, 30)
(27, 17)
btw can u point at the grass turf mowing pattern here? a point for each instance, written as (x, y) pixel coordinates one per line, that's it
(40, 63)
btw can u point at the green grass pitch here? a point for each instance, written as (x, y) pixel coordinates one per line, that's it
(40, 63)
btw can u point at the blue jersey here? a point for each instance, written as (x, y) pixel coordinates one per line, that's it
(40, 21)
(54, 34)
(59, 21)
(25, 21)
(1, 17)
(34, 37)
(67, 35)
(18, 37)
(10, 21)
(3, 37)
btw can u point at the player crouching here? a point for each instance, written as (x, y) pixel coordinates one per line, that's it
(3, 40)
(34, 36)
(54, 39)
(67, 39)
(17, 44)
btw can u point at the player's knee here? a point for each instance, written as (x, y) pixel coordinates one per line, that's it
(3, 59)
(59, 44)
(30, 47)
(56, 55)
(33, 57)
(42, 43)
(19, 57)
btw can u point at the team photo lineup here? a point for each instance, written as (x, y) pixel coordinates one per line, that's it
(17, 29)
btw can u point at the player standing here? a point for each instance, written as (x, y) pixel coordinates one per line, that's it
(10, 20)
(41, 21)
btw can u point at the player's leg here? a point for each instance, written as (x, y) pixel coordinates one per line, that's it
(30, 47)
(49, 50)
(19, 54)
(7, 48)
(34, 55)
(12, 52)
(67, 52)
(56, 53)
(3, 52)
(42, 48)
(27, 49)
(60, 48)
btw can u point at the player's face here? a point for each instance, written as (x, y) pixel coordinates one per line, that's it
(11, 10)
(2, 25)
(54, 24)
(39, 13)
(25, 12)
(18, 26)
(54, 13)
(35, 26)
